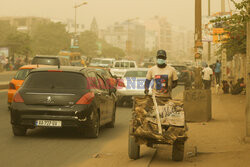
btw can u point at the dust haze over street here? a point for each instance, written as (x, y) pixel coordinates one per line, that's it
(125, 83)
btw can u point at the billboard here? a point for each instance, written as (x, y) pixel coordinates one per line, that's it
(219, 35)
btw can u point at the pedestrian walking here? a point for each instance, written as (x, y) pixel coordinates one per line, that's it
(207, 74)
(217, 72)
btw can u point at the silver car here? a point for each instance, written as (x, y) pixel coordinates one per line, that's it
(121, 66)
(132, 84)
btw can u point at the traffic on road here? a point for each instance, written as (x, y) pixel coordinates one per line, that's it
(124, 83)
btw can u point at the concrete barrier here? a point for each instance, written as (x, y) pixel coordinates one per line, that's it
(197, 105)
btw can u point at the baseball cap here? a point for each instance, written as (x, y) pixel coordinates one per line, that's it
(161, 53)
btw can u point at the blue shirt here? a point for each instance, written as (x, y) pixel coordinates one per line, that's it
(217, 67)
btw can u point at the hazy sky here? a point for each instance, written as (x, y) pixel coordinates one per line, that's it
(178, 12)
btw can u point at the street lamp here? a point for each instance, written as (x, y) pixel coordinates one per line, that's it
(77, 6)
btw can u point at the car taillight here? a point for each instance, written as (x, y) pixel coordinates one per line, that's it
(11, 86)
(18, 98)
(86, 99)
(121, 84)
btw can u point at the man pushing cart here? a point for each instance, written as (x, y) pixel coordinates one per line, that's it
(158, 119)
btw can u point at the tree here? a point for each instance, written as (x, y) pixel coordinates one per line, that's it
(49, 38)
(87, 43)
(19, 42)
(113, 52)
(235, 27)
(5, 31)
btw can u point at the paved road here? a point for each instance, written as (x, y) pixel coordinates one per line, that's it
(65, 147)
(6, 76)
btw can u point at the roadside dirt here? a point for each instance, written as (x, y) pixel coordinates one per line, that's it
(219, 142)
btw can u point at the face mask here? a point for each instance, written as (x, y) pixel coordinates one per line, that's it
(161, 61)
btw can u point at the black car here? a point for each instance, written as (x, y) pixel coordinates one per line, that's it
(63, 97)
(185, 75)
(50, 60)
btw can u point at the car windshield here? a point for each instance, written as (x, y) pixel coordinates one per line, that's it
(124, 64)
(21, 74)
(106, 62)
(45, 60)
(55, 80)
(95, 61)
(138, 74)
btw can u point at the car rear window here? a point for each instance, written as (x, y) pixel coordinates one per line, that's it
(45, 61)
(55, 80)
(21, 74)
(136, 74)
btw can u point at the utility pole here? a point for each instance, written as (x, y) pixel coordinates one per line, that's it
(198, 43)
(209, 43)
(224, 51)
(223, 6)
(198, 31)
(248, 81)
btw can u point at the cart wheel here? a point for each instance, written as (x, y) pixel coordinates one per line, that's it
(178, 151)
(133, 148)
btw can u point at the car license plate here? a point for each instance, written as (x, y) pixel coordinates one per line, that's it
(48, 123)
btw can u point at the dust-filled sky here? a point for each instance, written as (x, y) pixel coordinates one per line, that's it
(178, 12)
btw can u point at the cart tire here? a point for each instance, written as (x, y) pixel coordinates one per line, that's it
(178, 151)
(133, 148)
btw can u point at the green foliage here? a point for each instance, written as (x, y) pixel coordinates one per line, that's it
(49, 38)
(19, 42)
(87, 43)
(236, 27)
(5, 31)
(113, 52)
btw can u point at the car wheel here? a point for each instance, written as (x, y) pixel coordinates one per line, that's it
(19, 130)
(94, 127)
(112, 123)
(178, 151)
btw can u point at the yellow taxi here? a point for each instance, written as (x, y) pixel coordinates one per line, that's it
(18, 79)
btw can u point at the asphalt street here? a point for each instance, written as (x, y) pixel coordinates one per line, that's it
(58, 147)
(7, 76)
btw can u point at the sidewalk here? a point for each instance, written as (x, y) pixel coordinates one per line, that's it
(219, 142)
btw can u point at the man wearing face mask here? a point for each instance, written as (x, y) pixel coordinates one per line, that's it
(164, 76)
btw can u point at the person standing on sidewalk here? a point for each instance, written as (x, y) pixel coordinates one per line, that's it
(217, 71)
(207, 74)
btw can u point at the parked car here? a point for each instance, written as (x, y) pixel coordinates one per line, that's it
(18, 79)
(50, 60)
(134, 85)
(63, 97)
(121, 66)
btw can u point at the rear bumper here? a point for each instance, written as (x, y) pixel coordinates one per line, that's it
(76, 116)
